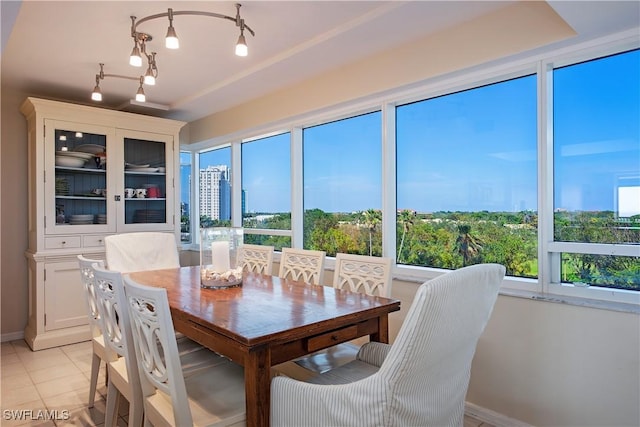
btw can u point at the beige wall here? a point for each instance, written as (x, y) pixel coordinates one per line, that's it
(13, 228)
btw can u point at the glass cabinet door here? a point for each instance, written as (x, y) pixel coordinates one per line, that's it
(76, 178)
(147, 181)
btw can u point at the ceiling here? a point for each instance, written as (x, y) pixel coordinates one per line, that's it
(52, 48)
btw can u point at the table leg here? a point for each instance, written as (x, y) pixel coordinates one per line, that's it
(383, 330)
(257, 377)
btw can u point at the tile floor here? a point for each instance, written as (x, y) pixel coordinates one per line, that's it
(56, 380)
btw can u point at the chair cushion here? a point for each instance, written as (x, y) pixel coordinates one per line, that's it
(345, 374)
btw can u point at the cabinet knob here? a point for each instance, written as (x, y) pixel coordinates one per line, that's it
(64, 242)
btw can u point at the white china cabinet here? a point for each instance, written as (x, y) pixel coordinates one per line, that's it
(92, 172)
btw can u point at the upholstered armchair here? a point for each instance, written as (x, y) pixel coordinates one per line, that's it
(419, 380)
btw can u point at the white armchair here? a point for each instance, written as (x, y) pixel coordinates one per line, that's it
(421, 379)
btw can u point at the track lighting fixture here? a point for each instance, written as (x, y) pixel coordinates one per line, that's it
(140, 40)
(171, 39)
(96, 95)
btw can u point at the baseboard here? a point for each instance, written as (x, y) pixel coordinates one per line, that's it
(12, 336)
(491, 417)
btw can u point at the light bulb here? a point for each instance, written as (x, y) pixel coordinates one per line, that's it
(171, 41)
(135, 59)
(96, 95)
(140, 97)
(149, 78)
(241, 46)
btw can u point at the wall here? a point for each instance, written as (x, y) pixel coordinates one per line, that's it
(552, 364)
(13, 230)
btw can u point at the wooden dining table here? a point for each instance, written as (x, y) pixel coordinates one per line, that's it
(266, 321)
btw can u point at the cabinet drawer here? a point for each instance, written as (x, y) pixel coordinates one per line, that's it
(332, 338)
(93, 241)
(62, 242)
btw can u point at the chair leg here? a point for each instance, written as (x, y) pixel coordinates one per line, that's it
(95, 369)
(113, 402)
(136, 413)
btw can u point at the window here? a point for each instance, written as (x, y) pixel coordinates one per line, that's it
(342, 169)
(214, 188)
(266, 190)
(185, 197)
(596, 158)
(475, 178)
(467, 178)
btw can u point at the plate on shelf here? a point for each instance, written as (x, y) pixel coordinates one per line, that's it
(90, 148)
(76, 154)
(70, 162)
(131, 165)
(83, 216)
(142, 169)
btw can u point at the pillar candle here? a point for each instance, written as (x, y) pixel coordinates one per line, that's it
(220, 261)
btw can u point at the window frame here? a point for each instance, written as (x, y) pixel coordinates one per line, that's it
(551, 249)
(541, 64)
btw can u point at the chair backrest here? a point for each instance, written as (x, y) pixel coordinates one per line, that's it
(256, 258)
(302, 264)
(141, 251)
(365, 274)
(156, 347)
(428, 367)
(87, 278)
(116, 323)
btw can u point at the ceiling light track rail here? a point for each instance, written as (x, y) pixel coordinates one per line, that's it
(140, 39)
(96, 95)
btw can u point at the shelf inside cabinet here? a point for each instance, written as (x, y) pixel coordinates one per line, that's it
(126, 172)
(80, 170)
(70, 197)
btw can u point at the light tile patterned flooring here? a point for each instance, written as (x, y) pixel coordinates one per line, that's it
(54, 383)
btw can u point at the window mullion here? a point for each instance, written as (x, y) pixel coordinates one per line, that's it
(389, 181)
(297, 207)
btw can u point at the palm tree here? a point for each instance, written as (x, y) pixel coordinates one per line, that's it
(372, 218)
(467, 245)
(405, 218)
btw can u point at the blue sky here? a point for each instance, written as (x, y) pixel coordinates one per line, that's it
(469, 151)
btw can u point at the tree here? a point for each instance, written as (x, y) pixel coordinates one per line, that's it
(405, 219)
(467, 245)
(372, 218)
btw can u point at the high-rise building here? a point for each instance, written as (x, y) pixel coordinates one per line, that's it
(215, 192)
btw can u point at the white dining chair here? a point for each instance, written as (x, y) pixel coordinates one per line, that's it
(303, 265)
(256, 258)
(214, 396)
(123, 372)
(99, 353)
(124, 379)
(419, 380)
(141, 251)
(356, 273)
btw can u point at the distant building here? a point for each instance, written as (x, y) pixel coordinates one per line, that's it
(185, 186)
(215, 192)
